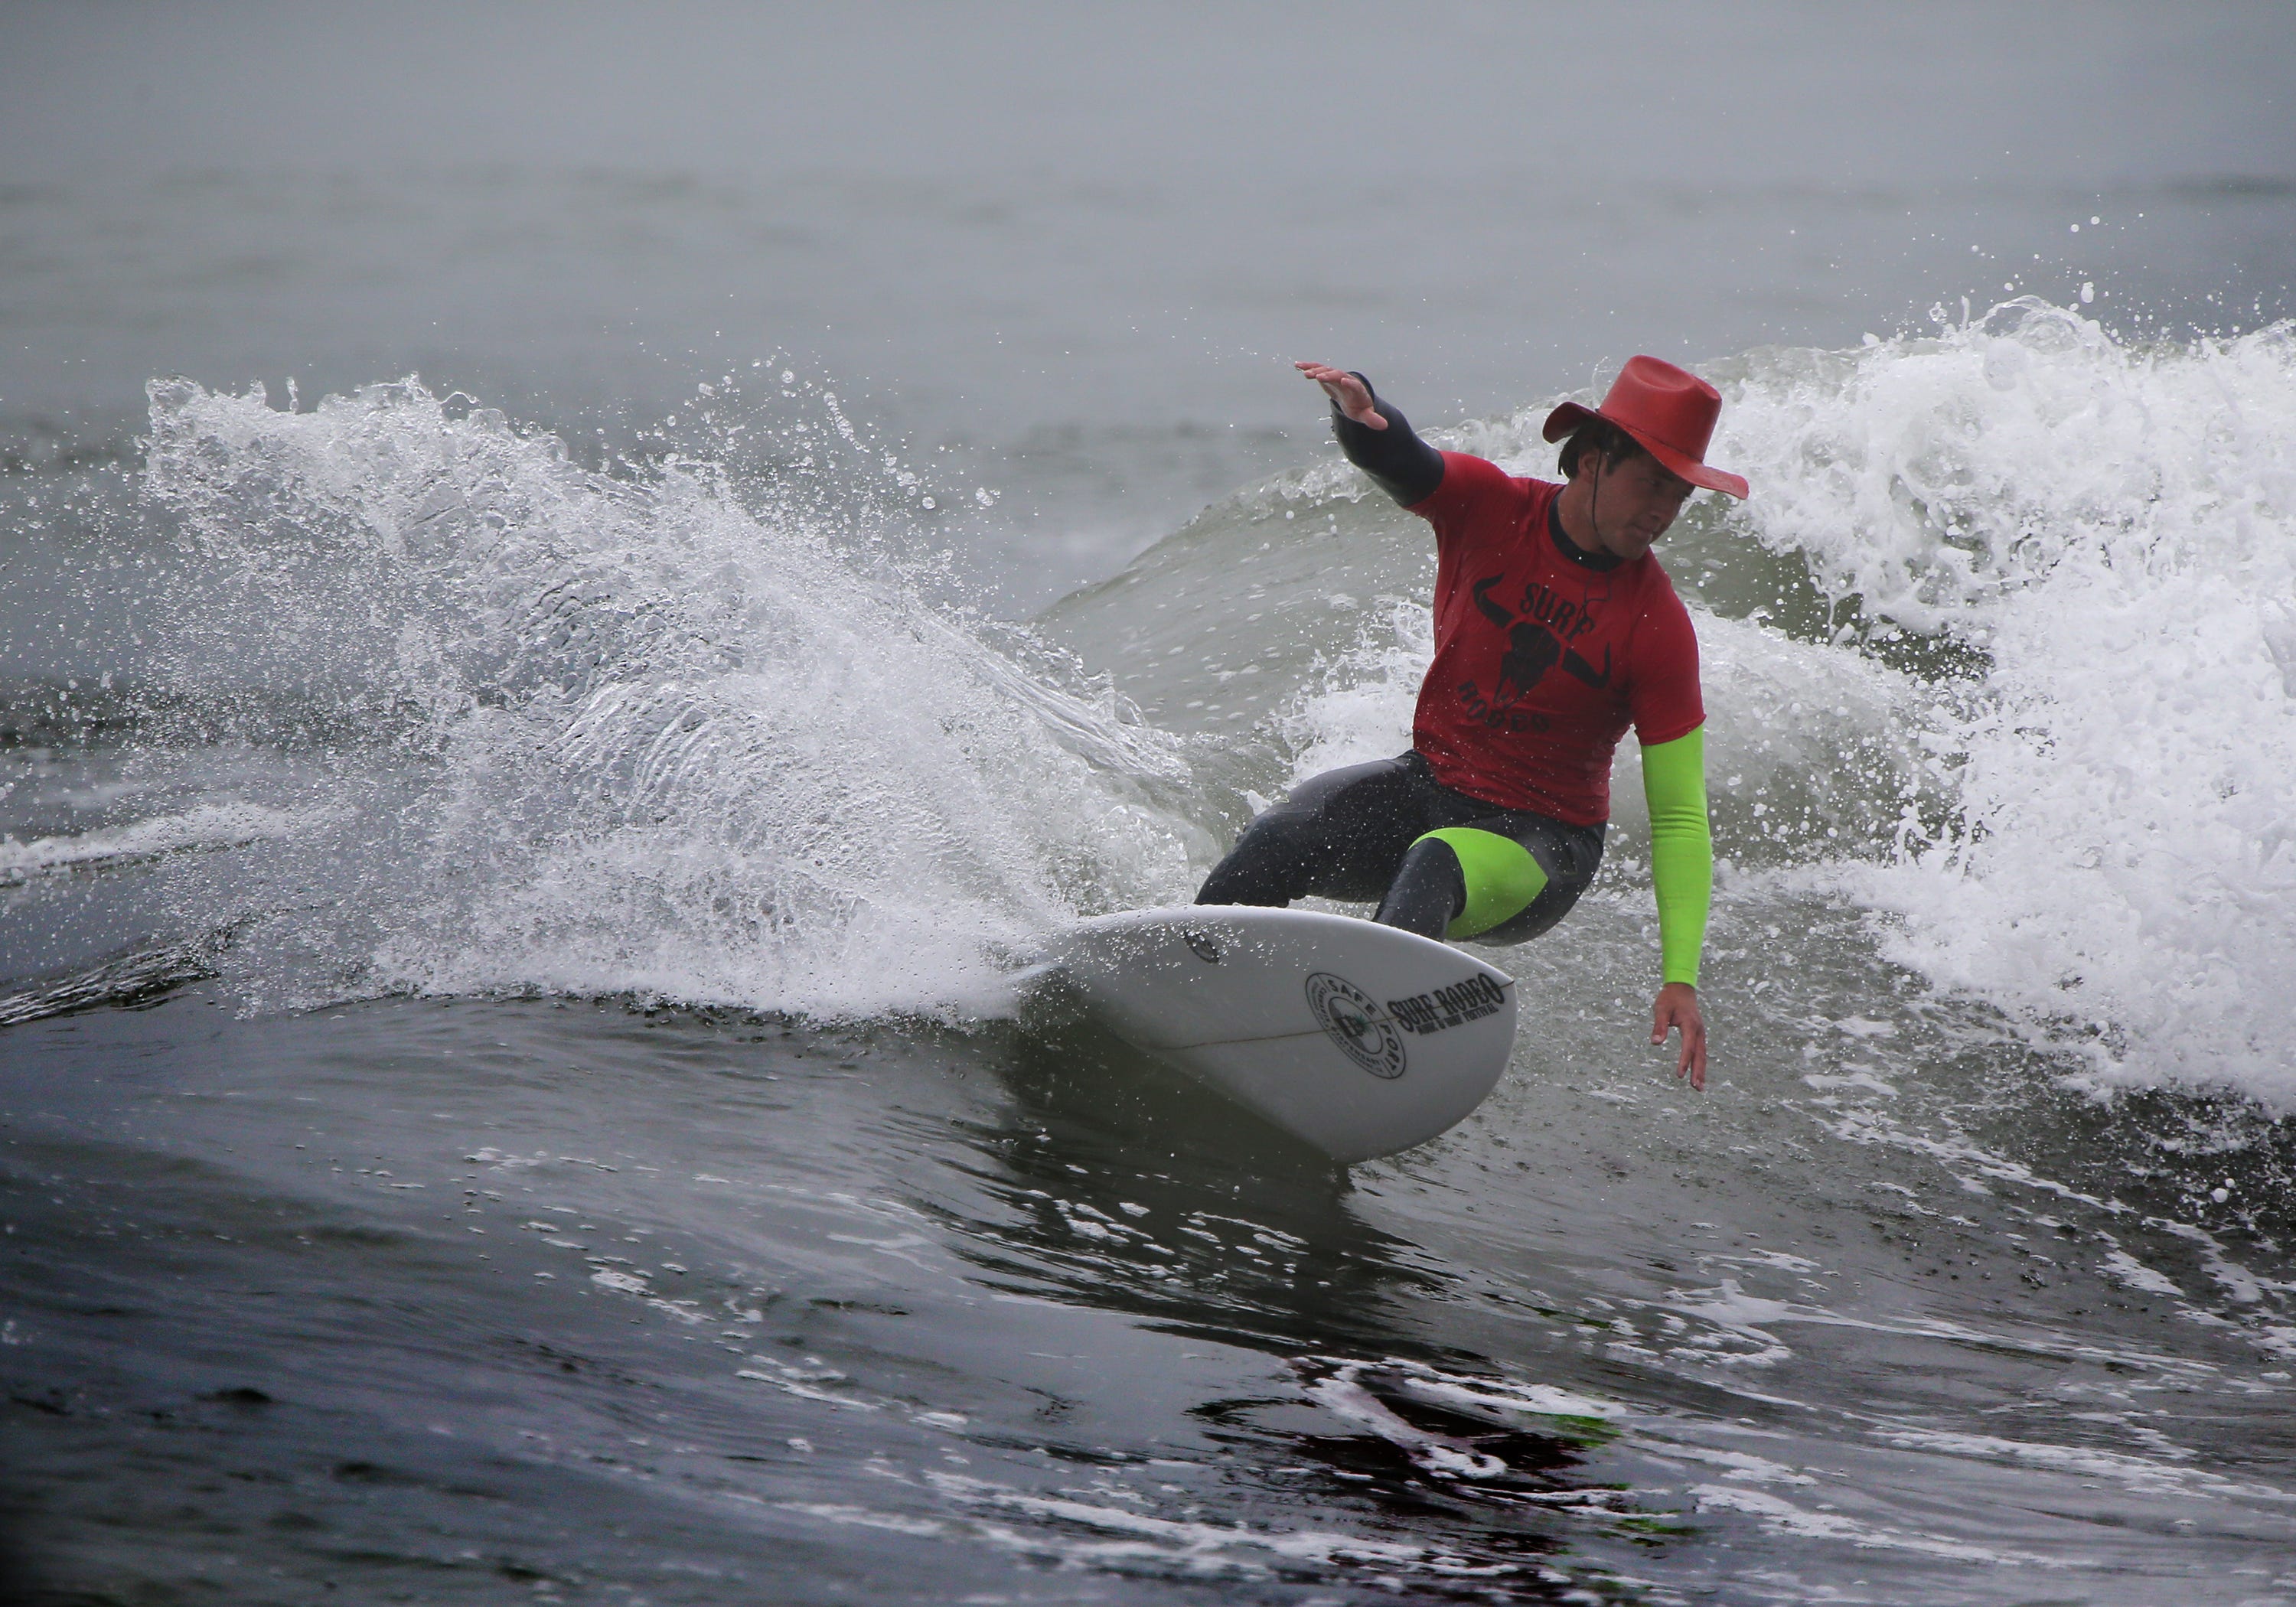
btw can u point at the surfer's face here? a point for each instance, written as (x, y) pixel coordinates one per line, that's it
(1635, 503)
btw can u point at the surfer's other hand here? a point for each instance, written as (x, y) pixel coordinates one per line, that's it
(1678, 1007)
(1351, 394)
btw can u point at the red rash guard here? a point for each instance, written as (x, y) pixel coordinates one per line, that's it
(1542, 660)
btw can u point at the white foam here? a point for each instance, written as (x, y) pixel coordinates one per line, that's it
(2114, 526)
(1783, 1517)
(205, 828)
(1361, 710)
(2135, 1472)
(1743, 1467)
(2130, 1273)
(1200, 1548)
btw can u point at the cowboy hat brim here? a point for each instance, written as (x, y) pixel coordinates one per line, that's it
(1570, 415)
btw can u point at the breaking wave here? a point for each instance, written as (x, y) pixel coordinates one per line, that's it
(2001, 652)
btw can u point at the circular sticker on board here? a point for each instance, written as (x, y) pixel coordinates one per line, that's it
(1205, 946)
(1353, 1019)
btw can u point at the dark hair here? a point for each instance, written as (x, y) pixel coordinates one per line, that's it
(1598, 434)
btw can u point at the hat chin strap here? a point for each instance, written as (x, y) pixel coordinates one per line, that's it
(1595, 503)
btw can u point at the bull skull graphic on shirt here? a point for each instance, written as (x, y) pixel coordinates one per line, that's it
(1531, 651)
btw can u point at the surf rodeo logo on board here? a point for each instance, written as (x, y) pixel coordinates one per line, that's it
(1353, 1019)
(1447, 1007)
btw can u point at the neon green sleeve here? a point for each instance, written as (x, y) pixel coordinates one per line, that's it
(1682, 851)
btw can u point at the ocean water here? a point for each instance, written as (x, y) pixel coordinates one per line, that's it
(516, 847)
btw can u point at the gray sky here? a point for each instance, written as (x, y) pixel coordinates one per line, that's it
(1822, 95)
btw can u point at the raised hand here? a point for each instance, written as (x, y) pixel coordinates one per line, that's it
(1351, 394)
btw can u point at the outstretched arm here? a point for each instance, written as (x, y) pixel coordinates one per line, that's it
(1377, 438)
(1682, 875)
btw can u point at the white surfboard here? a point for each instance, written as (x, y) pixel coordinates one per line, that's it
(1359, 1038)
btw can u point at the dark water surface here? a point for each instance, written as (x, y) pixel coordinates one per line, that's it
(428, 1300)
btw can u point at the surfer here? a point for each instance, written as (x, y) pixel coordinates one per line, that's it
(1554, 630)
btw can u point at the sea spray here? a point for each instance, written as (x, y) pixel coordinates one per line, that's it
(624, 733)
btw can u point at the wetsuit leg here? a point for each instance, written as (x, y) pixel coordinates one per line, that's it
(1441, 863)
(1428, 890)
(1339, 835)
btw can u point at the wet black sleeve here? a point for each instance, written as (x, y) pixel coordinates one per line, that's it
(1405, 467)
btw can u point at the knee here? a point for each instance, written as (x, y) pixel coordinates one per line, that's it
(1502, 879)
(1270, 864)
(1428, 891)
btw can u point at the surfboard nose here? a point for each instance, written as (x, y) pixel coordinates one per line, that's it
(1358, 1039)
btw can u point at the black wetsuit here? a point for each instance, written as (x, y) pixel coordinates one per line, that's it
(1359, 833)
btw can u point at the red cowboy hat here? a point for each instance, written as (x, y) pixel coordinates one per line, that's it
(1670, 411)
